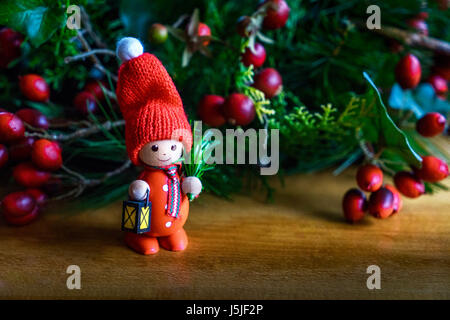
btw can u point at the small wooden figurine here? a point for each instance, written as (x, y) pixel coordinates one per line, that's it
(156, 131)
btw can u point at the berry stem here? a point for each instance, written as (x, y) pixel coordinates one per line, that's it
(88, 53)
(80, 133)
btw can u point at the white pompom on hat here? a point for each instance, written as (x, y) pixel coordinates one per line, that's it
(129, 48)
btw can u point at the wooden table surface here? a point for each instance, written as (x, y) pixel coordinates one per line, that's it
(295, 248)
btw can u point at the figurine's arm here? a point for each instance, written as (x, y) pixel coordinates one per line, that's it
(138, 190)
(191, 185)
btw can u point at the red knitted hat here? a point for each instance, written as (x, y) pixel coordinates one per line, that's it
(149, 101)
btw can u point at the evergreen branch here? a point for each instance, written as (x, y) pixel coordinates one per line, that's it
(80, 133)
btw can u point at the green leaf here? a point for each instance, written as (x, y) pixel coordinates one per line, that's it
(394, 138)
(37, 19)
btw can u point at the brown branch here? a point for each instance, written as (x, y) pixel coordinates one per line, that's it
(83, 182)
(412, 39)
(89, 53)
(80, 133)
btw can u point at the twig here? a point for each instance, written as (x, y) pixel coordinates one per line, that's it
(83, 182)
(412, 39)
(87, 54)
(88, 26)
(93, 57)
(80, 133)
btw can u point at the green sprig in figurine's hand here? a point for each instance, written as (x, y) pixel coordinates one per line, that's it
(191, 186)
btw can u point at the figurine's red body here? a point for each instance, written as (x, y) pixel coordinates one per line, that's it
(162, 224)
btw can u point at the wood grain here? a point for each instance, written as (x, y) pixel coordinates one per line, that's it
(295, 248)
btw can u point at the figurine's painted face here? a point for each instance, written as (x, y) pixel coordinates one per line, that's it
(161, 152)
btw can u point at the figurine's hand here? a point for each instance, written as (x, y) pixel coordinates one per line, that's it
(191, 185)
(138, 189)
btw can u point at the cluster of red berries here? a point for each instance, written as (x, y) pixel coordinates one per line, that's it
(33, 161)
(87, 100)
(386, 200)
(237, 108)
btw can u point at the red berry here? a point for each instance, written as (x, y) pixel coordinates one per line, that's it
(408, 184)
(4, 155)
(431, 124)
(18, 204)
(239, 109)
(210, 110)
(157, 34)
(22, 220)
(408, 71)
(46, 155)
(34, 88)
(354, 205)
(433, 169)
(398, 202)
(268, 81)
(95, 87)
(419, 25)
(21, 150)
(242, 26)
(423, 15)
(38, 195)
(33, 117)
(10, 42)
(204, 31)
(381, 203)
(11, 127)
(439, 85)
(277, 14)
(254, 57)
(85, 102)
(27, 175)
(369, 177)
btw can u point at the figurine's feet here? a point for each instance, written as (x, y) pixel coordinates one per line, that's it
(177, 241)
(142, 244)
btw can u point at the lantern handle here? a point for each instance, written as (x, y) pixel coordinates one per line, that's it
(147, 196)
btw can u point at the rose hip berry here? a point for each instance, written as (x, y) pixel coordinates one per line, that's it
(38, 195)
(408, 72)
(21, 150)
(398, 202)
(4, 155)
(431, 124)
(354, 204)
(157, 34)
(27, 175)
(408, 184)
(439, 85)
(239, 109)
(46, 155)
(95, 87)
(277, 14)
(210, 110)
(254, 57)
(11, 127)
(34, 88)
(85, 103)
(268, 81)
(433, 169)
(204, 31)
(10, 42)
(22, 220)
(369, 177)
(33, 117)
(381, 203)
(419, 25)
(18, 204)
